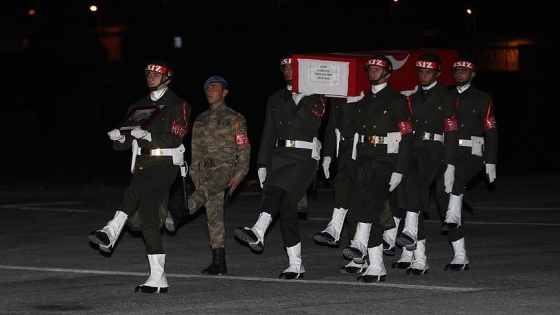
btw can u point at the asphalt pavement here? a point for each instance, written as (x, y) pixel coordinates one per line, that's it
(47, 265)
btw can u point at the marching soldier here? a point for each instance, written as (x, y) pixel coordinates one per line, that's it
(157, 155)
(220, 160)
(288, 160)
(473, 146)
(429, 108)
(340, 136)
(383, 155)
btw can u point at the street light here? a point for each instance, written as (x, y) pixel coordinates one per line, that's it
(470, 12)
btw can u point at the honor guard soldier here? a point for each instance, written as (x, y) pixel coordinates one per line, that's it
(340, 137)
(157, 156)
(473, 140)
(429, 109)
(383, 154)
(288, 159)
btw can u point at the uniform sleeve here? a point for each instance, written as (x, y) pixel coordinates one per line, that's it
(490, 132)
(196, 149)
(268, 138)
(243, 148)
(329, 145)
(403, 119)
(450, 128)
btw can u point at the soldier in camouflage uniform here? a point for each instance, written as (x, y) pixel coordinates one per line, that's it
(287, 161)
(220, 160)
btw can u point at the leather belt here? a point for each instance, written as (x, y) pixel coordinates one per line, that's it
(294, 144)
(155, 152)
(465, 143)
(428, 136)
(373, 139)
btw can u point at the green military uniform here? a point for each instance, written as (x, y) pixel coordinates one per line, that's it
(220, 150)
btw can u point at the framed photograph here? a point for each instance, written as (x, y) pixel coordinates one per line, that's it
(140, 117)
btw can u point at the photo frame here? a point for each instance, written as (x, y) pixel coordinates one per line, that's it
(139, 117)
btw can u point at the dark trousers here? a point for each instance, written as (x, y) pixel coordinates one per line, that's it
(147, 190)
(277, 201)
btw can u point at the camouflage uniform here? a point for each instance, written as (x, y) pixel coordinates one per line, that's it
(220, 150)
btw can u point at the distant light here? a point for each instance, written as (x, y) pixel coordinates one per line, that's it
(178, 42)
(93, 8)
(31, 12)
(469, 11)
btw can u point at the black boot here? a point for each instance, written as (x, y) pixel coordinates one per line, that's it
(218, 265)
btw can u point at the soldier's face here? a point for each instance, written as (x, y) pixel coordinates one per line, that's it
(427, 76)
(215, 93)
(287, 71)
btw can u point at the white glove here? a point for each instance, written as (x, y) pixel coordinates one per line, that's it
(396, 179)
(354, 99)
(262, 175)
(139, 133)
(491, 171)
(115, 135)
(449, 178)
(326, 164)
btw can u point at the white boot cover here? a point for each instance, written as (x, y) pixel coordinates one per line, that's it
(453, 214)
(337, 222)
(460, 253)
(376, 266)
(361, 239)
(156, 283)
(420, 260)
(410, 229)
(294, 258)
(406, 256)
(113, 230)
(262, 225)
(389, 236)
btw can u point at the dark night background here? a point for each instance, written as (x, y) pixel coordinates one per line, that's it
(63, 90)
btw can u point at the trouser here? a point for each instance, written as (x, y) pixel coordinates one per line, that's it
(417, 182)
(148, 188)
(343, 185)
(467, 166)
(210, 193)
(276, 201)
(372, 191)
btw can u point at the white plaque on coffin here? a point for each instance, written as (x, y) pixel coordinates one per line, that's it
(323, 77)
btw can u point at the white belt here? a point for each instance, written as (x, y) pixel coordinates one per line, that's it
(465, 143)
(429, 136)
(373, 139)
(158, 152)
(294, 144)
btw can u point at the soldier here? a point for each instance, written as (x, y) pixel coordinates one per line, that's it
(220, 160)
(288, 159)
(429, 109)
(473, 142)
(383, 154)
(157, 154)
(340, 136)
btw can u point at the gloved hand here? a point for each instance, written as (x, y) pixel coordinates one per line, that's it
(262, 175)
(326, 164)
(396, 179)
(115, 135)
(491, 171)
(354, 99)
(139, 133)
(449, 178)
